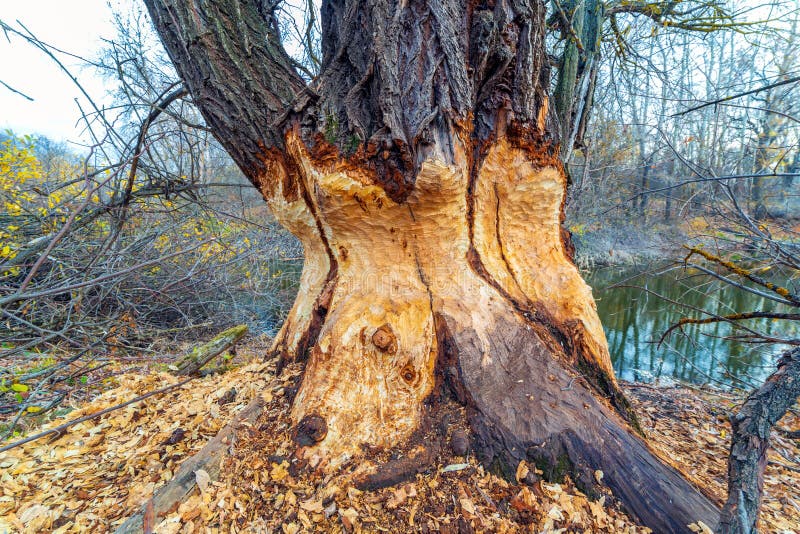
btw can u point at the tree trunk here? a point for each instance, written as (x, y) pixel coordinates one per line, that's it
(750, 432)
(420, 171)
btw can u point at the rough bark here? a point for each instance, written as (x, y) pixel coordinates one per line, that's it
(750, 430)
(421, 172)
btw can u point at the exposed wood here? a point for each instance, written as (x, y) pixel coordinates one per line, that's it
(421, 173)
(208, 459)
(192, 362)
(287, 196)
(403, 265)
(750, 430)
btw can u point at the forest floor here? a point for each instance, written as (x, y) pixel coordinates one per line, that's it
(97, 473)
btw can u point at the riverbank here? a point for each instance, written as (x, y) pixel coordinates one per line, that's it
(99, 472)
(625, 247)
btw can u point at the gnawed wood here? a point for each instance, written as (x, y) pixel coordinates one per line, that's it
(208, 459)
(287, 196)
(528, 380)
(750, 430)
(196, 358)
(420, 171)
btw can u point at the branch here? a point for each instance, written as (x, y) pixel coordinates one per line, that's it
(729, 318)
(738, 95)
(750, 432)
(160, 105)
(61, 428)
(229, 54)
(192, 362)
(20, 93)
(745, 273)
(208, 459)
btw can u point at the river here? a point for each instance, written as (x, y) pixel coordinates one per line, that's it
(635, 318)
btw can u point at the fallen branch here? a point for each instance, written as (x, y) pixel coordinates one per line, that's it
(61, 428)
(750, 429)
(208, 459)
(199, 356)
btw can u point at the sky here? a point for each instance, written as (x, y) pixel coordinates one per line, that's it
(76, 26)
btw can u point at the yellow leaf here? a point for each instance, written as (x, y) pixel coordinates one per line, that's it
(279, 472)
(19, 388)
(311, 505)
(522, 471)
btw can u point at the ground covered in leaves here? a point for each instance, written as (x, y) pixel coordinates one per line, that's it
(100, 472)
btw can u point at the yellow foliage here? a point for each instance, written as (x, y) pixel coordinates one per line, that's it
(24, 195)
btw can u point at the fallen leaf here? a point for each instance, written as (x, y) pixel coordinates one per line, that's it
(312, 505)
(203, 479)
(454, 467)
(349, 518)
(522, 471)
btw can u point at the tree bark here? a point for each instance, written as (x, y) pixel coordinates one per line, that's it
(420, 170)
(751, 428)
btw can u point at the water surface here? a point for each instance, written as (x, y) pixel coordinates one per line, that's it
(635, 318)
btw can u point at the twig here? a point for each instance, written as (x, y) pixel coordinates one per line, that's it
(20, 93)
(60, 428)
(745, 273)
(731, 97)
(730, 318)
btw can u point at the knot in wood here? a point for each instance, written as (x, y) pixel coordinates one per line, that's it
(384, 339)
(310, 430)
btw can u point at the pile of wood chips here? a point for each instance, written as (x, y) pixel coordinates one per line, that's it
(100, 472)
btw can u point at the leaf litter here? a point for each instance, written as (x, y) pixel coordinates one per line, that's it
(100, 472)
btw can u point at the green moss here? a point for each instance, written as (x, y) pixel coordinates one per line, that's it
(352, 144)
(554, 471)
(331, 128)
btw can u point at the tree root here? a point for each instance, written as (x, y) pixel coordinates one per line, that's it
(396, 471)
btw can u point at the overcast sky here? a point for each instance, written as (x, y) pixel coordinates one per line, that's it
(75, 26)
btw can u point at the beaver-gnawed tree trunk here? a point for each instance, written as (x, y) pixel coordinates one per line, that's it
(420, 171)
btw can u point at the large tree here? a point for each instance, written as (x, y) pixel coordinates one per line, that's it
(420, 169)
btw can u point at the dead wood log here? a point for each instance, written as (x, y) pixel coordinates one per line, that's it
(208, 459)
(750, 430)
(192, 362)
